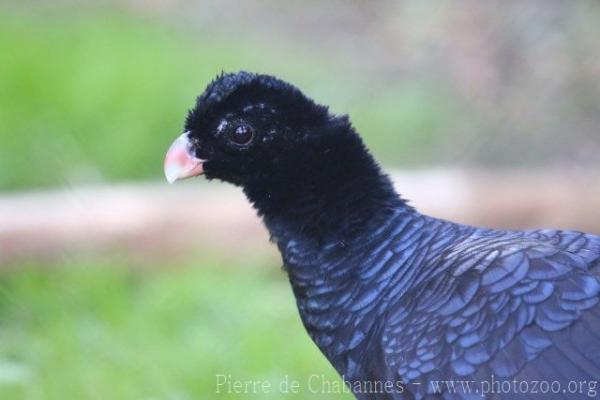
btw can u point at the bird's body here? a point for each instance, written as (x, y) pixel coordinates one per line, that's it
(424, 301)
(403, 305)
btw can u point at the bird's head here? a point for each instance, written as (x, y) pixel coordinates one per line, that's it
(292, 157)
(244, 128)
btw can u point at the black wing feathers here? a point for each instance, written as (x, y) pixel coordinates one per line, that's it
(507, 304)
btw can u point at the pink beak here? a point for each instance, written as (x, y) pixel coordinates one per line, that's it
(180, 161)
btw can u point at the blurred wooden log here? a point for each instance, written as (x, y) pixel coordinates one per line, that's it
(158, 220)
(510, 200)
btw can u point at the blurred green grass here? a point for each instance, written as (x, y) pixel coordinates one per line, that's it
(92, 96)
(93, 330)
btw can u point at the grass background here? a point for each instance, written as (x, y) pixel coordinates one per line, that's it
(90, 330)
(98, 96)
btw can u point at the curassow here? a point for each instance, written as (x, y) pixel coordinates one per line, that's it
(402, 304)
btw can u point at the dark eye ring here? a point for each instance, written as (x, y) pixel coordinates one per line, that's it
(242, 135)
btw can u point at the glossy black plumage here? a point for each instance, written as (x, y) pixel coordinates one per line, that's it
(389, 294)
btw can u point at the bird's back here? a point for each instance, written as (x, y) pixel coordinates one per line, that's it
(436, 305)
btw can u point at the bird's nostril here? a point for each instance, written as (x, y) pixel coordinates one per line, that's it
(202, 151)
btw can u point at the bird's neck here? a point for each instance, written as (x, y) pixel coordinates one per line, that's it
(330, 192)
(327, 208)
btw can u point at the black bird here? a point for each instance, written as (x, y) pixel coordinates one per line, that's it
(402, 304)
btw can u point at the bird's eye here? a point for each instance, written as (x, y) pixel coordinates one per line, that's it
(242, 135)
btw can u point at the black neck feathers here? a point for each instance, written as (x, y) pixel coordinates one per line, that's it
(328, 188)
